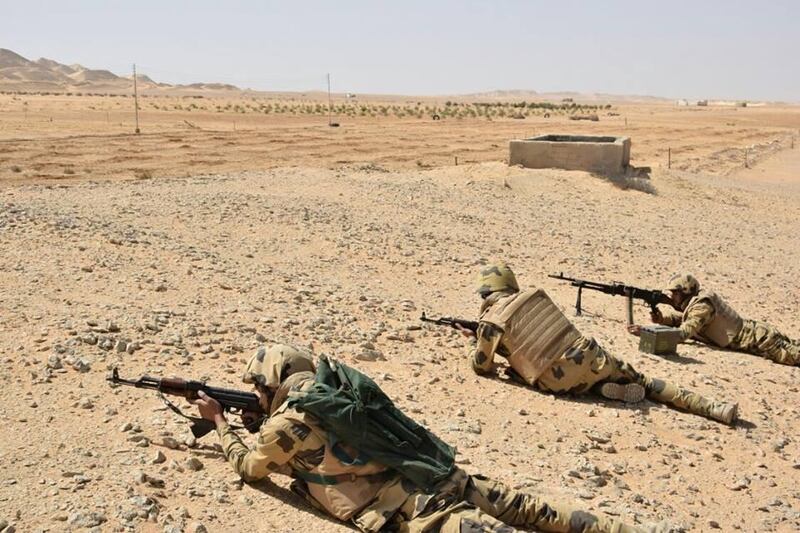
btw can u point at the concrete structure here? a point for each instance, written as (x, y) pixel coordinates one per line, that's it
(603, 155)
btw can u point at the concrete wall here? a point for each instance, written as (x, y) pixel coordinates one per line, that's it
(603, 155)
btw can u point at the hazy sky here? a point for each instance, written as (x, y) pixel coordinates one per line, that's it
(692, 49)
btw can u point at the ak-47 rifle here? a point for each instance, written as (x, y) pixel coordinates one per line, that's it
(650, 296)
(232, 401)
(452, 322)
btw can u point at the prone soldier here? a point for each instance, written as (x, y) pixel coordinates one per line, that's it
(706, 317)
(546, 351)
(369, 495)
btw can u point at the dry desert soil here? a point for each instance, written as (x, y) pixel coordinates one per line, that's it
(180, 250)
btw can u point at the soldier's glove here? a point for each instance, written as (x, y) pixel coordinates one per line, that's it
(656, 317)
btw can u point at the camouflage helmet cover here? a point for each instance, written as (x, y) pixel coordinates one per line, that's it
(496, 277)
(685, 283)
(272, 364)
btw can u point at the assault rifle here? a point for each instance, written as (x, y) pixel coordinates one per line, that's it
(232, 401)
(452, 322)
(651, 297)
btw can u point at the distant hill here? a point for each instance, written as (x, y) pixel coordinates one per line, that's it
(20, 74)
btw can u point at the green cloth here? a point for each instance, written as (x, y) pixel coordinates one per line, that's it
(354, 410)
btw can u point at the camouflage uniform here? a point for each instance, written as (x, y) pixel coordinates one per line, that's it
(292, 443)
(583, 368)
(508, 322)
(757, 338)
(708, 318)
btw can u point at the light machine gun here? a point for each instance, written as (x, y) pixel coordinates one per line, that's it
(232, 401)
(649, 296)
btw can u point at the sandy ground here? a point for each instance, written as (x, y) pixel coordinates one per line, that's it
(190, 274)
(61, 137)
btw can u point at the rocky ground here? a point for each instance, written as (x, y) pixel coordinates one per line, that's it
(188, 276)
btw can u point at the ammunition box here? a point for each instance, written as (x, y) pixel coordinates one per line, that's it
(659, 339)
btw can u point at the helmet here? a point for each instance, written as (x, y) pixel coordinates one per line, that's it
(496, 277)
(271, 365)
(685, 283)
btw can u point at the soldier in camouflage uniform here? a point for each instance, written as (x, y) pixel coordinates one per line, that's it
(708, 318)
(546, 351)
(370, 496)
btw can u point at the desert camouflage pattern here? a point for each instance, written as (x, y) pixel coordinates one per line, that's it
(694, 319)
(762, 339)
(270, 364)
(476, 504)
(586, 366)
(496, 277)
(719, 327)
(753, 337)
(292, 443)
(685, 283)
(583, 368)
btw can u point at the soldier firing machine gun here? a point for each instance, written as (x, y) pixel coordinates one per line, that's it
(232, 401)
(651, 297)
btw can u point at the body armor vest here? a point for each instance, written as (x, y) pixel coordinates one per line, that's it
(535, 331)
(726, 323)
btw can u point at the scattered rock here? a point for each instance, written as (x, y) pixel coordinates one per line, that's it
(86, 519)
(171, 443)
(196, 527)
(82, 365)
(194, 464)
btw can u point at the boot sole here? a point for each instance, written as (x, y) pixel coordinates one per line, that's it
(628, 393)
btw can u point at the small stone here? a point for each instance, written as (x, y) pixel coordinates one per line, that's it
(780, 444)
(159, 458)
(82, 365)
(171, 443)
(367, 354)
(121, 346)
(85, 519)
(194, 464)
(54, 362)
(713, 524)
(196, 527)
(85, 403)
(127, 426)
(740, 484)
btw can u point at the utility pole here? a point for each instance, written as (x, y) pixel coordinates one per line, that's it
(135, 98)
(330, 120)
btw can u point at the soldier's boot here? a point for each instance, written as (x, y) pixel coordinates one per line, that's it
(724, 412)
(668, 393)
(626, 392)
